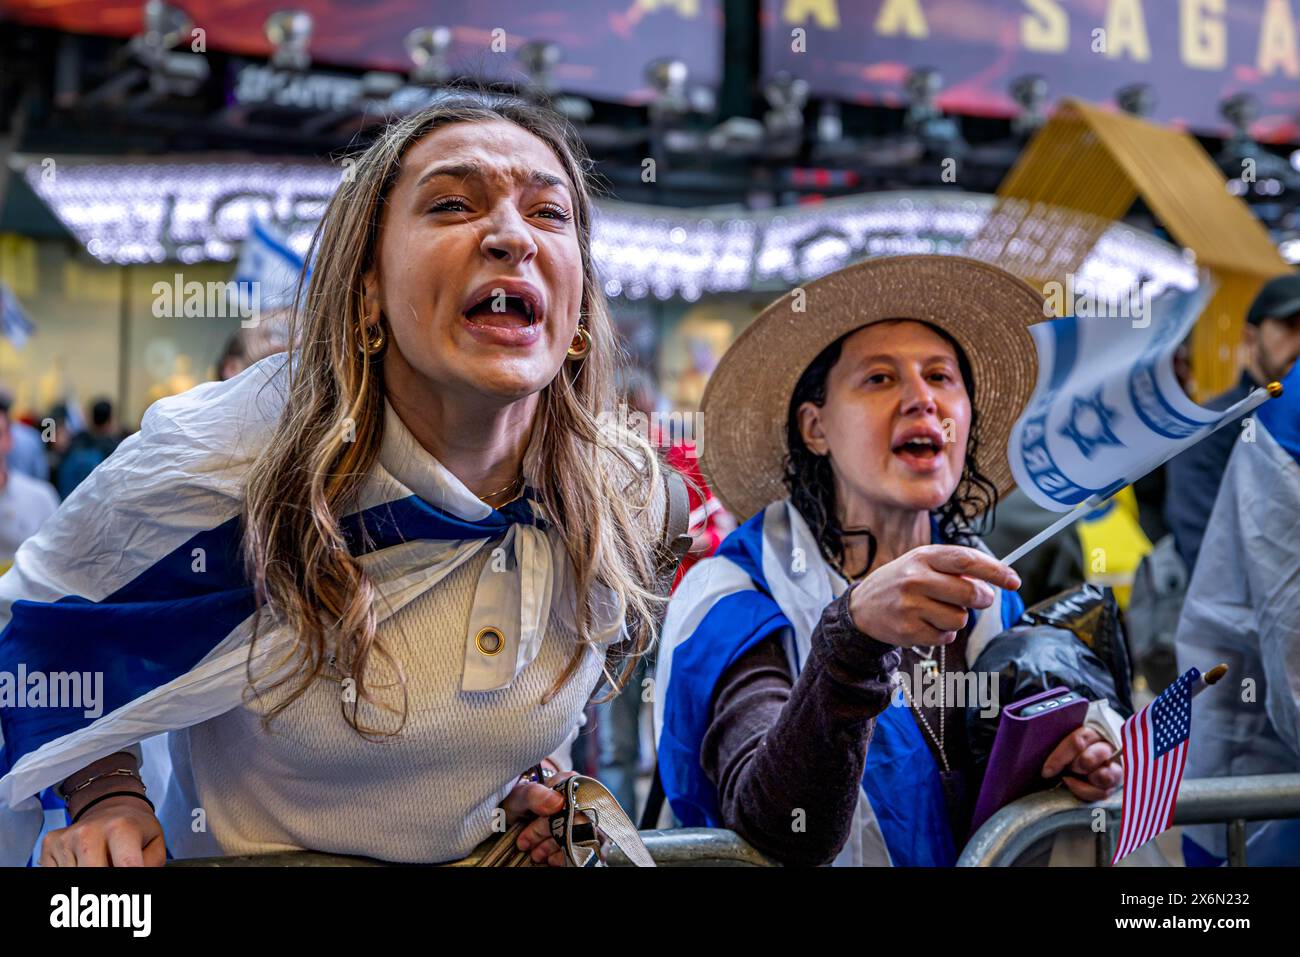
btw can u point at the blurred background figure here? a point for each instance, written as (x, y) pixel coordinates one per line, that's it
(247, 346)
(25, 502)
(57, 430)
(625, 758)
(86, 449)
(1270, 344)
(27, 451)
(1242, 608)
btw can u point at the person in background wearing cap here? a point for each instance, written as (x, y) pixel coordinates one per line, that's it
(862, 452)
(1271, 342)
(1243, 608)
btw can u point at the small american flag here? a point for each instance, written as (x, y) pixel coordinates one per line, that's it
(1155, 749)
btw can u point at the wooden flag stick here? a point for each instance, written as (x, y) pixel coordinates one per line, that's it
(1211, 677)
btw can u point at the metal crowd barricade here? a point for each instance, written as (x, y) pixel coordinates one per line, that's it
(676, 847)
(1003, 839)
(1012, 831)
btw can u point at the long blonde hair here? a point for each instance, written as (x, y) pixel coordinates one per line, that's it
(308, 476)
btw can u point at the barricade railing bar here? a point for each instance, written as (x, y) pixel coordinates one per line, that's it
(674, 847)
(1001, 842)
(1012, 831)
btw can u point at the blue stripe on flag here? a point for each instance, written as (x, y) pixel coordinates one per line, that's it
(166, 620)
(291, 258)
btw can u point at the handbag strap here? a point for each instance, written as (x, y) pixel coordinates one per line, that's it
(675, 538)
(588, 796)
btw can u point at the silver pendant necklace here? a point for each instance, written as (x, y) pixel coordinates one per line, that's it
(920, 715)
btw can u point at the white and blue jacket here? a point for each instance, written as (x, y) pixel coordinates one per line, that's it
(769, 575)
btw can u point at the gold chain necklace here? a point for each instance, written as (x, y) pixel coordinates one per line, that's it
(518, 480)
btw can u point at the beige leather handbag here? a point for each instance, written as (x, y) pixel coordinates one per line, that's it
(589, 812)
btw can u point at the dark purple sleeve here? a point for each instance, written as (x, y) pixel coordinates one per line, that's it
(775, 745)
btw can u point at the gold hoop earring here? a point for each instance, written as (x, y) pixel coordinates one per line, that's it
(372, 340)
(581, 344)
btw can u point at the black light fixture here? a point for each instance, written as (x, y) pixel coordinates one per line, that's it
(1030, 94)
(1137, 99)
(290, 34)
(924, 120)
(1248, 166)
(1240, 110)
(164, 27)
(830, 123)
(539, 58)
(922, 86)
(171, 72)
(787, 97)
(427, 48)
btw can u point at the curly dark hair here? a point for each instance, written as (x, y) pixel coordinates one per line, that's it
(811, 484)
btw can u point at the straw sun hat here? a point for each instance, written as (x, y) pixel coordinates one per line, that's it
(985, 309)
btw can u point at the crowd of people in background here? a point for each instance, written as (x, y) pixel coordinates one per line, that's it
(43, 461)
(43, 458)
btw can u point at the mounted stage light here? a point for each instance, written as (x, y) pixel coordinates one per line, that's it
(427, 47)
(290, 34)
(1137, 99)
(1030, 94)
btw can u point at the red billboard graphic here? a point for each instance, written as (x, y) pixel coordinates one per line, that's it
(1193, 53)
(606, 43)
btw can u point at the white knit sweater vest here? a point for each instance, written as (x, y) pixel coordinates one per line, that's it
(425, 795)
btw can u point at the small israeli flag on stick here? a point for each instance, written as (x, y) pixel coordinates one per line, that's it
(268, 267)
(14, 324)
(1108, 408)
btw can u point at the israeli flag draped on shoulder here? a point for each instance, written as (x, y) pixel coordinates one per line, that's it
(1107, 407)
(769, 575)
(138, 580)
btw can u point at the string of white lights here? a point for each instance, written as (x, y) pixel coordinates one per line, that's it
(193, 211)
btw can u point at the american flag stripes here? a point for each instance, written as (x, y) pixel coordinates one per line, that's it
(1155, 750)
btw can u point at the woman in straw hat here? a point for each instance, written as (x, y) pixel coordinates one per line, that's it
(860, 424)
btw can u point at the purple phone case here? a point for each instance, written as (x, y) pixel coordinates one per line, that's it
(1021, 747)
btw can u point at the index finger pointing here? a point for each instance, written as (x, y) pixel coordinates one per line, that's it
(971, 562)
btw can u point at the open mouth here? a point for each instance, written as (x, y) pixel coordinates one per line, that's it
(504, 312)
(919, 449)
(924, 447)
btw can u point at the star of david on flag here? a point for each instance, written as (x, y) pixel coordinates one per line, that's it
(1107, 407)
